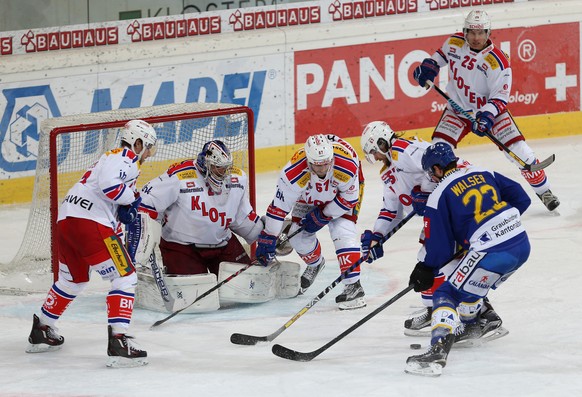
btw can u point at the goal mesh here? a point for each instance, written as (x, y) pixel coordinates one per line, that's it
(69, 145)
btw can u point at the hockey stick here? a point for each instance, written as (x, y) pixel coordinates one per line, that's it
(159, 277)
(294, 355)
(243, 339)
(220, 284)
(530, 167)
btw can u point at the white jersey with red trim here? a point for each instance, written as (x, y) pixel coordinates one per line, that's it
(404, 172)
(337, 194)
(107, 184)
(192, 213)
(477, 80)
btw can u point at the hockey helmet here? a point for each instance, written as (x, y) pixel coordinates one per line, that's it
(139, 129)
(377, 135)
(440, 154)
(215, 163)
(319, 153)
(477, 19)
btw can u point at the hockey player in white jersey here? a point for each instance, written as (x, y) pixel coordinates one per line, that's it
(201, 202)
(480, 79)
(406, 188)
(319, 186)
(200, 205)
(87, 239)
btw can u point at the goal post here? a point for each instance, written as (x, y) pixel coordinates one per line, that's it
(69, 145)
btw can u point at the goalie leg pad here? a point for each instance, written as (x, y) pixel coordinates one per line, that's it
(254, 285)
(259, 284)
(184, 290)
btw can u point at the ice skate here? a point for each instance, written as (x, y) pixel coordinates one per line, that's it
(419, 323)
(352, 297)
(486, 329)
(308, 276)
(550, 201)
(123, 352)
(433, 361)
(43, 338)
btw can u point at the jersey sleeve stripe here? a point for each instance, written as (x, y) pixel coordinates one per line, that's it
(296, 170)
(400, 145)
(387, 215)
(115, 192)
(129, 154)
(184, 166)
(345, 204)
(346, 165)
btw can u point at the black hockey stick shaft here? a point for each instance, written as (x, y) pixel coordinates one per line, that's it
(220, 284)
(294, 355)
(530, 167)
(243, 339)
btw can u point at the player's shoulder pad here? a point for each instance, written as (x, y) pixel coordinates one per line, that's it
(457, 40)
(125, 152)
(237, 171)
(345, 165)
(297, 171)
(497, 59)
(183, 170)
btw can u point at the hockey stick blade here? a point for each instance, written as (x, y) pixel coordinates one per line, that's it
(294, 355)
(242, 339)
(541, 165)
(248, 340)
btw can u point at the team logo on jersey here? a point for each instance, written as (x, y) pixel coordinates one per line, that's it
(190, 184)
(234, 179)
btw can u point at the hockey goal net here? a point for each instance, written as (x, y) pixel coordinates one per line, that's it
(69, 145)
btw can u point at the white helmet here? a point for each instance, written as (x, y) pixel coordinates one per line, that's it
(477, 19)
(319, 151)
(215, 163)
(375, 134)
(139, 129)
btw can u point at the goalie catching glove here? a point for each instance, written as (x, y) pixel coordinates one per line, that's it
(369, 251)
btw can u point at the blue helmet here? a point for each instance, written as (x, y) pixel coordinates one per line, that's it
(440, 154)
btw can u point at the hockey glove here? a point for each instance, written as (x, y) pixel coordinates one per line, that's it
(483, 123)
(128, 213)
(419, 199)
(315, 220)
(371, 252)
(265, 251)
(428, 70)
(422, 277)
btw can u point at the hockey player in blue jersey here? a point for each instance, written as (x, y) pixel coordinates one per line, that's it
(477, 210)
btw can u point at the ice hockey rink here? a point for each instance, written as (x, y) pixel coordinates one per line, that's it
(191, 355)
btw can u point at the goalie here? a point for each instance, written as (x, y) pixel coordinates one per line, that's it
(200, 203)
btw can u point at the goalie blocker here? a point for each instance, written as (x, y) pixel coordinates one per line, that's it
(255, 285)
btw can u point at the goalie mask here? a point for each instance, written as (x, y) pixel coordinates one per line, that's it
(215, 164)
(477, 20)
(319, 153)
(139, 129)
(377, 138)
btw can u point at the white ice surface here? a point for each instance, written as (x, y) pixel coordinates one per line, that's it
(191, 355)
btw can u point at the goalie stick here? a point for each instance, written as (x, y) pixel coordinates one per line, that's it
(159, 277)
(295, 355)
(530, 167)
(243, 339)
(220, 284)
